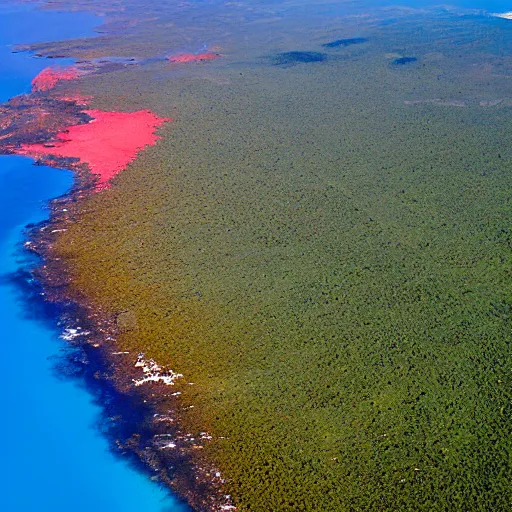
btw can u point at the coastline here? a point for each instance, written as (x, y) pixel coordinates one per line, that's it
(147, 422)
(161, 444)
(141, 424)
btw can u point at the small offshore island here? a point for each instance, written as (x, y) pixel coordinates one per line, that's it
(289, 238)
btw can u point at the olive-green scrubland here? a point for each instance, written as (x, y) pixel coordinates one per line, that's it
(324, 250)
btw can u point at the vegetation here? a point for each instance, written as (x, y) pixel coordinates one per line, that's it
(329, 265)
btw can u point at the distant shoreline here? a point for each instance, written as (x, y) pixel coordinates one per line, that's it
(504, 15)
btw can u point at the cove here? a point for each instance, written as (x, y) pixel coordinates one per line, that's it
(54, 456)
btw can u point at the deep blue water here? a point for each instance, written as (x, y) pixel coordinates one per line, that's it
(54, 457)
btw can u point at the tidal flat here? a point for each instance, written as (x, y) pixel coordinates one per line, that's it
(322, 250)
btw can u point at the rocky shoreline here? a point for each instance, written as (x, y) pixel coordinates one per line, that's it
(141, 411)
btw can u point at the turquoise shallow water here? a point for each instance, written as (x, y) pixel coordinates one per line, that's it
(54, 456)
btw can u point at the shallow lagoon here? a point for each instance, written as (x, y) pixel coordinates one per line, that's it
(54, 456)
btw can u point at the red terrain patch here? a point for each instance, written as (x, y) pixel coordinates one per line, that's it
(107, 144)
(49, 77)
(192, 57)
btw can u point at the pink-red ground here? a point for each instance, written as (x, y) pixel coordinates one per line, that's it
(49, 77)
(107, 144)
